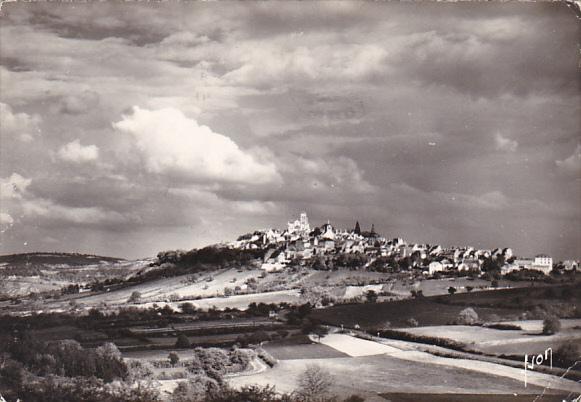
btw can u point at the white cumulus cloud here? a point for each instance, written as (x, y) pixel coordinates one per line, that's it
(171, 143)
(19, 125)
(14, 186)
(76, 153)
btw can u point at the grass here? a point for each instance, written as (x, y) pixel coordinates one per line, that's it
(398, 397)
(286, 351)
(427, 311)
(370, 375)
(498, 305)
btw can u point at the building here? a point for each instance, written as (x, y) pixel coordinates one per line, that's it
(434, 267)
(570, 265)
(543, 260)
(300, 226)
(543, 263)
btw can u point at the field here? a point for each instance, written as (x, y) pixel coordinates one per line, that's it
(372, 369)
(398, 397)
(23, 274)
(426, 311)
(509, 342)
(301, 348)
(495, 305)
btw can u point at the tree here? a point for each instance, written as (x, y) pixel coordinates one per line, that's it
(354, 398)
(551, 325)
(314, 383)
(183, 342)
(371, 296)
(173, 358)
(451, 290)
(320, 331)
(188, 308)
(135, 297)
(494, 283)
(467, 316)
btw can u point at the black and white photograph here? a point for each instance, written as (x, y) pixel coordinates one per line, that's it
(290, 201)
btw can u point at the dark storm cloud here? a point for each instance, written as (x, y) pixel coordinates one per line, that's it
(437, 122)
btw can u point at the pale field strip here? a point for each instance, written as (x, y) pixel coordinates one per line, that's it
(356, 347)
(482, 337)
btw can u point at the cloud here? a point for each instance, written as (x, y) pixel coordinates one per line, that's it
(275, 63)
(20, 125)
(79, 103)
(6, 221)
(14, 186)
(572, 164)
(74, 152)
(171, 143)
(505, 144)
(43, 208)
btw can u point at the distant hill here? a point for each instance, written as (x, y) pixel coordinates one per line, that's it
(71, 259)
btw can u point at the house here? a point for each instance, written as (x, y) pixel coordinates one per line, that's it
(435, 266)
(543, 263)
(469, 265)
(570, 265)
(327, 232)
(523, 263)
(436, 250)
(276, 262)
(508, 268)
(543, 260)
(507, 253)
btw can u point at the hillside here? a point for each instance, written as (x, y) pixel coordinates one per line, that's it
(40, 258)
(33, 273)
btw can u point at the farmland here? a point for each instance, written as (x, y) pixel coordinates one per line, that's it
(497, 305)
(369, 368)
(505, 342)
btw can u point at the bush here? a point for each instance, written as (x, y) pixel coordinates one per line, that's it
(567, 354)
(183, 342)
(173, 358)
(266, 357)
(135, 297)
(551, 325)
(504, 327)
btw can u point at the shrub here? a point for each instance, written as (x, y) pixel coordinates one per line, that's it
(567, 354)
(173, 358)
(354, 398)
(266, 357)
(135, 297)
(504, 327)
(551, 325)
(183, 342)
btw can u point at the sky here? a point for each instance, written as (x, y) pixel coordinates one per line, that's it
(131, 128)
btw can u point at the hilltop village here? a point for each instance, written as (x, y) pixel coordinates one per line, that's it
(327, 247)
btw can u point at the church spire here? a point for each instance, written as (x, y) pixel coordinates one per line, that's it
(357, 228)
